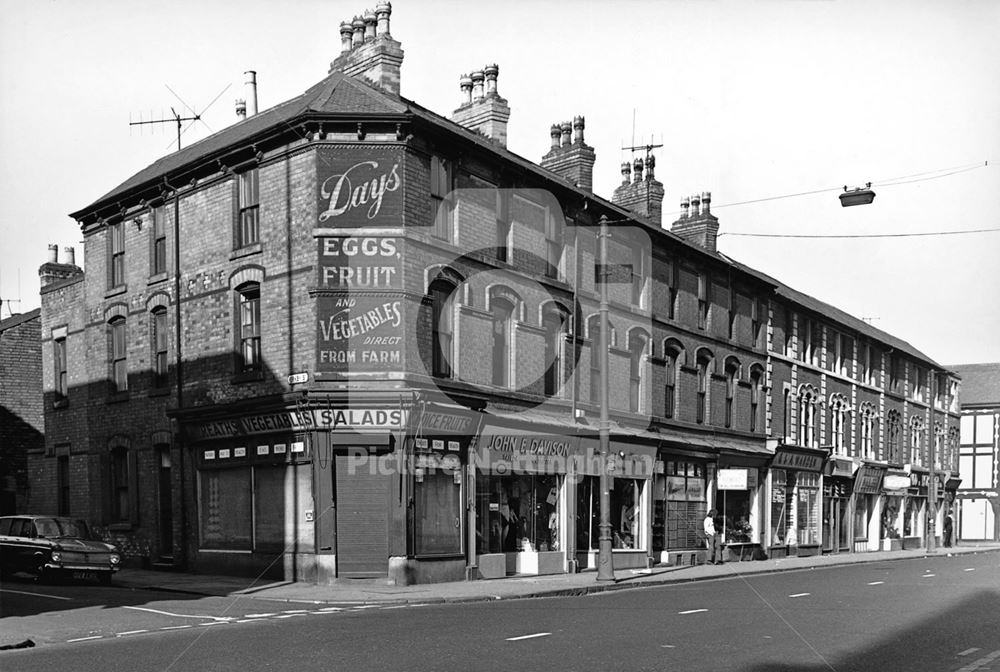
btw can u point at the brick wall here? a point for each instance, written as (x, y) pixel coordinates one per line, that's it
(21, 415)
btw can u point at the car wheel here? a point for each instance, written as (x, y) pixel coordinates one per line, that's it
(104, 578)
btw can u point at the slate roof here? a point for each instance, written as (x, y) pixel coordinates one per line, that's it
(343, 95)
(980, 383)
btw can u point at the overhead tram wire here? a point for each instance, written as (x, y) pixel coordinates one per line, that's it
(857, 235)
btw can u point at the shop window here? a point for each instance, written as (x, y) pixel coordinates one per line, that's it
(442, 328)
(807, 518)
(780, 499)
(685, 503)
(158, 257)
(911, 517)
(116, 255)
(518, 512)
(626, 513)
(248, 208)
(437, 511)
(59, 366)
(862, 517)
(226, 509)
(248, 310)
(117, 348)
(158, 340)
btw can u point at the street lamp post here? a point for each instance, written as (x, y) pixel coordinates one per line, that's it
(932, 476)
(605, 564)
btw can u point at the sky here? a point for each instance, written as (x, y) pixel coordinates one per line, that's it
(763, 101)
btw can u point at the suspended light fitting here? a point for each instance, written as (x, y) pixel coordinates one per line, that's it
(857, 196)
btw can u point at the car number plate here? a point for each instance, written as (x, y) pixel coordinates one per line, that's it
(84, 575)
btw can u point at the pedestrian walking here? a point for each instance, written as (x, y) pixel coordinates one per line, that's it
(712, 539)
(948, 526)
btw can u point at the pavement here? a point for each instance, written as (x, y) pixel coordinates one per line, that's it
(379, 592)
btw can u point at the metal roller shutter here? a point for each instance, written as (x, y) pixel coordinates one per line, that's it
(362, 520)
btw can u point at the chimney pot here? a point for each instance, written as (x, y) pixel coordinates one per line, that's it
(369, 19)
(554, 133)
(346, 32)
(685, 207)
(53, 254)
(70, 255)
(251, 87)
(477, 84)
(491, 72)
(626, 172)
(695, 205)
(578, 124)
(359, 32)
(567, 131)
(706, 200)
(382, 12)
(637, 170)
(465, 86)
(241, 108)
(650, 164)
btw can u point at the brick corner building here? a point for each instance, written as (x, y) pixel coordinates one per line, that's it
(349, 337)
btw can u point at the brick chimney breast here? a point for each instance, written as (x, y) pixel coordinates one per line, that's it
(569, 156)
(367, 49)
(483, 109)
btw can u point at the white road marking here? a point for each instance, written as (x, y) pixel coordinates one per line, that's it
(260, 615)
(981, 663)
(970, 569)
(367, 606)
(537, 634)
(875, 583)
(223, 619)
(691, 611)
(332, 609)
(800, 595)
(25, 592)
(175, 627)
(295, 611)
(927, 576)
(290, 615)
(83, 639)
(397, 606)
(131, 632)
(667, 646)
(968, 651)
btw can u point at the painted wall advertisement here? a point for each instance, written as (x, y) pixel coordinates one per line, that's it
(359, 302)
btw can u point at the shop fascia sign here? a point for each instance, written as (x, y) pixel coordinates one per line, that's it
(732, 479)
(793, 459)
(868, 480)
(345, 419)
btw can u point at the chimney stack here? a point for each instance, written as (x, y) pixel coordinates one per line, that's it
(52, 271)
(643, 194)
(698, 225)
(241, 108)
(569, 156)
(483, 110)
(367, 49)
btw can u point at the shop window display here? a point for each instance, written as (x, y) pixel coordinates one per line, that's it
(626, 519)
(518, 512)
(807, 520)
(890, 518)
(911, 520)
(780, 495)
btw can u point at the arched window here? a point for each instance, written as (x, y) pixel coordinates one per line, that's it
(867, 423)
(894, 428)
(442, 328)
(637, 342)
(158, 341)
(807, 416)
(732, 379)
(838, 424)
(556, 323)
(248, 312)
(704, 362)
(756, 393)
(502, 310)
(672, 351)
(938, 445)
(916, 440)
(117, 351)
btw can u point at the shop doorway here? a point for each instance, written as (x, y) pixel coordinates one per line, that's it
(836, 517)
(361, 494)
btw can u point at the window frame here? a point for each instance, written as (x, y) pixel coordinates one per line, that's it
(160, 347)
(158, 241)
(118, 355)
(247, 184)
(116, 255)
(248, 298)
(442, 294)
(60, 368)
(441, 185)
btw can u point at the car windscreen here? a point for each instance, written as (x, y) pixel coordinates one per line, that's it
(61, 527)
